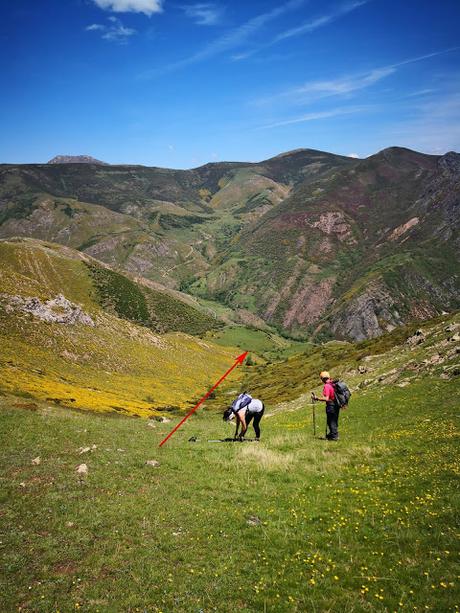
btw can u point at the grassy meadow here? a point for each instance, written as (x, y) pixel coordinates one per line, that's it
(292, 523)
(268, 344)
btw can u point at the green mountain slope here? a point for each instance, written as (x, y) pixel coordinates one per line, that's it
(314, 244)
(400, 358)
(82, 335)
(164, 224)
(353, 253)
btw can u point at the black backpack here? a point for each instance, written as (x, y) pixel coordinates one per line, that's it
(342, 393)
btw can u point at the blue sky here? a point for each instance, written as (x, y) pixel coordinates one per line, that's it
(181, 83)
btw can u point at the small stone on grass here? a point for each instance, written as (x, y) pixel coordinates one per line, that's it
(82, 469)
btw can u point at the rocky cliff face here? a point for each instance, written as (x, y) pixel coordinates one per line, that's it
(75, 159)
(312, 243)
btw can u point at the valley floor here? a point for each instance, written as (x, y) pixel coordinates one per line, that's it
(293, 523)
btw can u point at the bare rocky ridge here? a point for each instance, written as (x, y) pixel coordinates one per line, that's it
(75, 159)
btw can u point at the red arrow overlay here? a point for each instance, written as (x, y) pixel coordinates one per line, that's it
(239, 360)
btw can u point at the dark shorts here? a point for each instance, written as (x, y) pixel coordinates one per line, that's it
(257, 417)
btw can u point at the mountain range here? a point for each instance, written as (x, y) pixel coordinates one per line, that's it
(313, 244)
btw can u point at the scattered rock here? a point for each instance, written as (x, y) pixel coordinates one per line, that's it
(455, 338)
(151, 425)
(69, 524)
(153, 463)
(193, 439)
(68, 355)
(253, 520)
(451, 328)
(36, 461)
(82, 469)
(362, 369)
(22, 484)
(404, 383)
(365, 383)
(453, 370)
(417, 338)
(162, 420)
(388, 377)
(121, 450)
(82, 450)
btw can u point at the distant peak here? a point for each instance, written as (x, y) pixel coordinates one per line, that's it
(286, 153)
(306, 153)
(76, 159)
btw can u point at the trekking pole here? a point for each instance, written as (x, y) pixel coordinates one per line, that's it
(313, 402)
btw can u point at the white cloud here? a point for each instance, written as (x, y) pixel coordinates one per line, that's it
(232, 39)
(315, 116)
(318, 22)
(353, 155)
(420, 92)
(204, 14)
(114, 31)
(312, 91)
(342, 85)
(305, 28)
(148, 7)
(427, 56)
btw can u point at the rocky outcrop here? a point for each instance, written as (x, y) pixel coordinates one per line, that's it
(309, 302)
(368, 315)
(57, 310)
(334, 223)
(417, 338)
(76, 159)
(403, 228)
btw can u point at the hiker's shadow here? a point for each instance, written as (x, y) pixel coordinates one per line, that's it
(234, 440)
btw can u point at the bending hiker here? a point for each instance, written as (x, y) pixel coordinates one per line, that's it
(332, 406)
(245, 409)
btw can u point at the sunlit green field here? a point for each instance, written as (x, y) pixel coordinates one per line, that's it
(267, 344)
(293, 523)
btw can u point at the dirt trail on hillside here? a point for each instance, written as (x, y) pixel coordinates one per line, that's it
(186, 261)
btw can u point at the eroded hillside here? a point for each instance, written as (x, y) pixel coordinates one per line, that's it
(315, 244)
